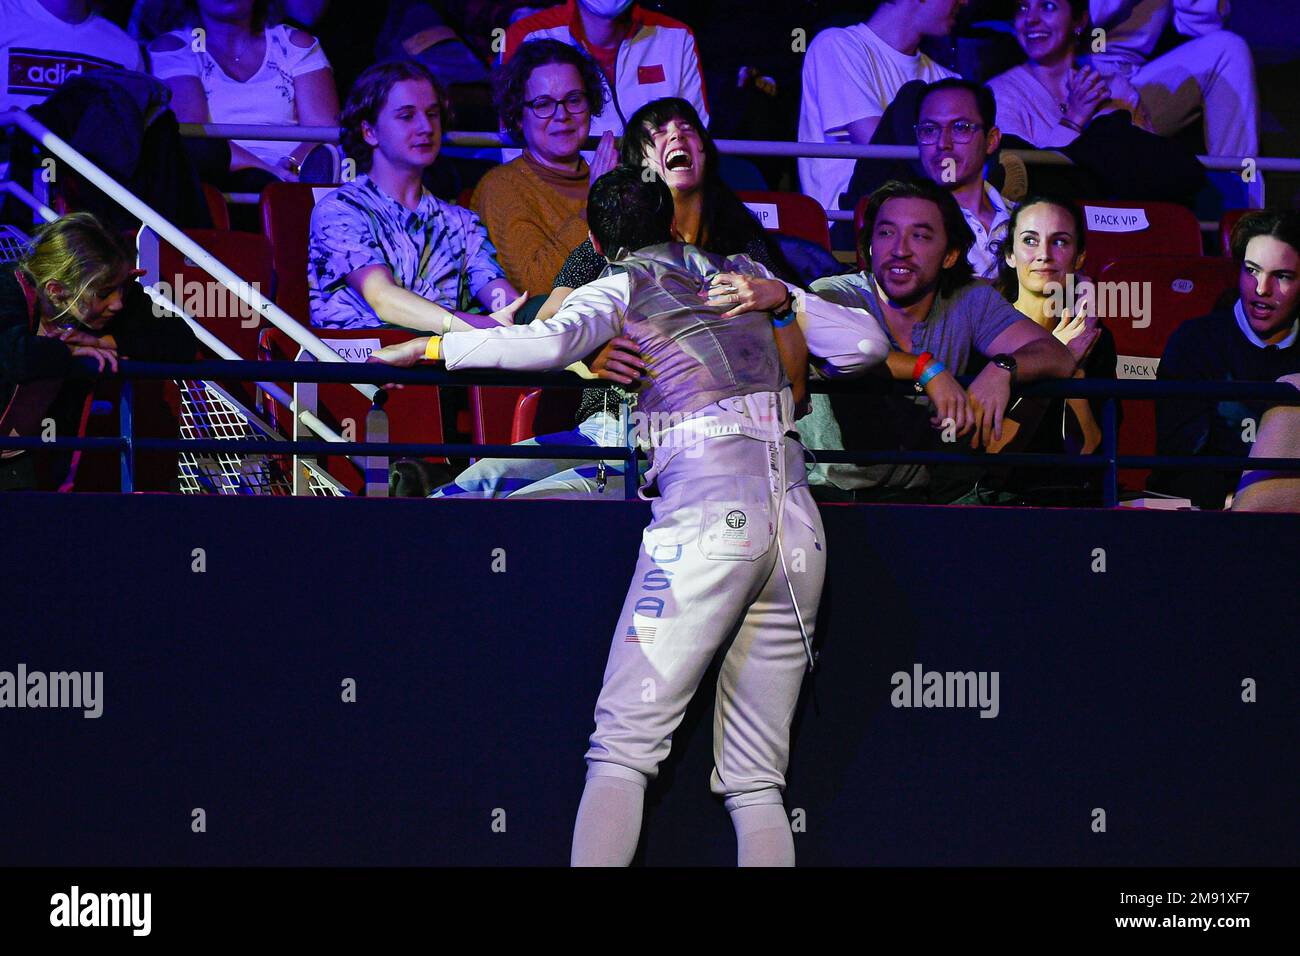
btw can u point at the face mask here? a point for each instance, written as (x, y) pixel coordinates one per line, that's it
(608, 9)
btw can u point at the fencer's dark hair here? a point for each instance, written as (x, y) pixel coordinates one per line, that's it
(1283, 225)
(509, 80)
(1008, 282)
(984, 100)
(367, 98)
(957, 234)
(626, 210)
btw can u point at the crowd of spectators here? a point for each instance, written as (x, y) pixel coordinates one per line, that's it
(959, 249)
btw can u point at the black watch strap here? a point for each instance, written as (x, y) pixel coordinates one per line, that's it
(1007, 362)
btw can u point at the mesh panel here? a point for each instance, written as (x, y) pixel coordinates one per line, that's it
(14, 243)
(206, 413)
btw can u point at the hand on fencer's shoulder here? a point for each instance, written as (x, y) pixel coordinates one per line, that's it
(619, 360)
(951, 403)
(742, 293)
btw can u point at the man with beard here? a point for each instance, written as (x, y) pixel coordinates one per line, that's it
(920, 291)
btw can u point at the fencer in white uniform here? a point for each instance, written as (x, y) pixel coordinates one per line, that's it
(734, 554)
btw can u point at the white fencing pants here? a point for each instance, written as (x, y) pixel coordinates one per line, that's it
(730, 555)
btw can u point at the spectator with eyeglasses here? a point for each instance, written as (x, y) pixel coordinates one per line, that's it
(535, 206)
(957, 136)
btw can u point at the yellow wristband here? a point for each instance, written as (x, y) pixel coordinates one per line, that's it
(433, 350)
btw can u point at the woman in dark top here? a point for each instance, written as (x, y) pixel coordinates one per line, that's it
(1045, 246)
(68, 310)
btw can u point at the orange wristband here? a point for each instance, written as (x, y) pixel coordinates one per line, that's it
(433, 349)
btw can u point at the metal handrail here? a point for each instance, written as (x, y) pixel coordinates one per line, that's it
(197, 254)
(736, 147)
(1109, 460)
(174, 235)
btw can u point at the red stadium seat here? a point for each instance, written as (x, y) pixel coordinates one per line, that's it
(414, 414)
(792, 214)
(217, 309)
(217, 206)
(503, 416)
(542, 412)
(1124, 230)
(1181, 288)
(1226, 225)
(492, 413)
(286, 221)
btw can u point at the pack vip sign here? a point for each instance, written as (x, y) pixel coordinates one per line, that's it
(354, 350)
(766, 213)
(1112, 219)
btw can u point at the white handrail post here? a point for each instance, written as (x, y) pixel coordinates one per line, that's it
(305, 395)
(184, 244)
(377, 465)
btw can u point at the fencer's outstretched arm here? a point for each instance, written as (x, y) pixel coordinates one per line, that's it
(590, 317)
(847, 340)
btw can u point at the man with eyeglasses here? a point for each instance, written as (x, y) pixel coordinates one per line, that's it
(956, 136)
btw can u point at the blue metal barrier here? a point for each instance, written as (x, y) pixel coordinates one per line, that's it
(127, 444)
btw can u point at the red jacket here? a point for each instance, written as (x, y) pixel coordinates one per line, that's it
(658, 58)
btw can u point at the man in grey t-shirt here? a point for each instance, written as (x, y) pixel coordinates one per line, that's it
(920, 290)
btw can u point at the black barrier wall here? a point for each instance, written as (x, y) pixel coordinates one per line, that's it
(1142, 668)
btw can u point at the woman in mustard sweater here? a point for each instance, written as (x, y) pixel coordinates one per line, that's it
(535, 207)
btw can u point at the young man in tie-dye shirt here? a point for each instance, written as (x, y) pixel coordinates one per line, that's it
(383, 250)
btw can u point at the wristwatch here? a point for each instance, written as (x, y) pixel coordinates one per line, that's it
(1005, 361)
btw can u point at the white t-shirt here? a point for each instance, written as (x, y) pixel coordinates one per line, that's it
(38, 51)
(266, 98)
(849, 74)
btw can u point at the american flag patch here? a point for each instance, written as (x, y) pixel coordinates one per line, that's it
(640, 635)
